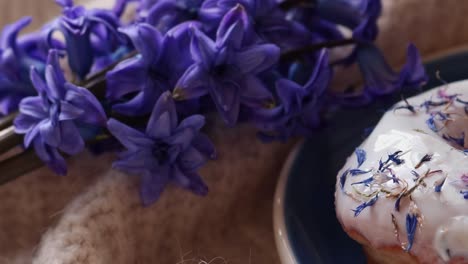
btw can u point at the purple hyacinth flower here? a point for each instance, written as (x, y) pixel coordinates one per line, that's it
(165, 14)
(380, 79)
(269, 22)
(227, 69)
(167, 151)
(155, 70)
(360, 16)
(87, 33)
(50, 120)
(299, 109)
(16, 56)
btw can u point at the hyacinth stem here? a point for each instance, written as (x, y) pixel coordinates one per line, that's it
(19, 165)
(296, 54)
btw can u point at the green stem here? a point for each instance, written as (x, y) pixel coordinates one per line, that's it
(19, 165)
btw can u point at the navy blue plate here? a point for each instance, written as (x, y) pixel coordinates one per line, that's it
(313, 231)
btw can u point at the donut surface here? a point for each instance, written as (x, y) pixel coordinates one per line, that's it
(405, 189)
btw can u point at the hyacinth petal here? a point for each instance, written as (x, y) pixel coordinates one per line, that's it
(69, 111)
(37, 81)
(64, 3)
(227, 100)
(164, 104)
(232, 26)
(321, 75)
(131, 138)
(379, 77)
(77, 45)
(258, 58)
(9, 104)
(192, 84)
(50, 133)
(160, 9)
(147, 41)
(160, 128)
(203, 49)
(191, 159)
(82, 98)
(290, 94)
(24, 123)
(55, 89)
(136, 106)
(72, 142)
(152, 185)
(413, 72)
(10, 33)
(190, 181)
(135, 161)
(119, 7)
(203, 144)
(33, 106)
(31, 135)
(50, 156)
(182, 138)
(346, 13)
(127, 77)
(195, 121)
(255, 93)
(176, 55)
(231, 37)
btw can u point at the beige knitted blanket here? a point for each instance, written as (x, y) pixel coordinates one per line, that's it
(93, 215)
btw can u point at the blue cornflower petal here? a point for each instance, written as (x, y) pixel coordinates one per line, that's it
(361, 156)
(438, 187)
(411, 225)
(364, 205)
(355, 172)
(465, 194)
(343, 178)
(365, 182)
(431, 124)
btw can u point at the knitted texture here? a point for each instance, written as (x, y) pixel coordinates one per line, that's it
(93, 215)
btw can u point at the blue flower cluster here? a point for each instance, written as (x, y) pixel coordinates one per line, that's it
(258, 61)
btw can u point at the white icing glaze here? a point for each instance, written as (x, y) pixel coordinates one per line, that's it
(451, 239)
(408, 132)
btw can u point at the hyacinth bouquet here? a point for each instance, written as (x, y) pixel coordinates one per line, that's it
(142, 87)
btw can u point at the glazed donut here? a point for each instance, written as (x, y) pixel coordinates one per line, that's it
(403, 194)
